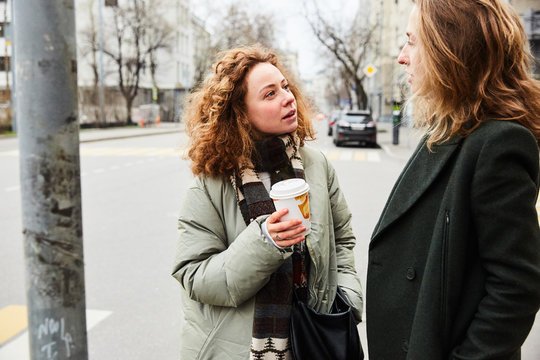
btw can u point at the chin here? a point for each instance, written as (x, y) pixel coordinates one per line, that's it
(292, 128)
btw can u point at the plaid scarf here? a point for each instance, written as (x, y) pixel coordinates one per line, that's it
(278, 156)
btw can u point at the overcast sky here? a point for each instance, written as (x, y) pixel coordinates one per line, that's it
(293, 31)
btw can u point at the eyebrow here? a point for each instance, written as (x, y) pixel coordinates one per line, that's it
(271, 86)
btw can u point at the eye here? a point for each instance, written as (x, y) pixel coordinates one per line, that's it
(269, 94)
(286, 87)
(407, 40)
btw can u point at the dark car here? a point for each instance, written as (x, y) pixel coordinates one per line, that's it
(355, 126)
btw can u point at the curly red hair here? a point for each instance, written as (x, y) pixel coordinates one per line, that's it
(221, 135)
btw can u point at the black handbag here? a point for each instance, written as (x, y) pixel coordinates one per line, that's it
(317, 336)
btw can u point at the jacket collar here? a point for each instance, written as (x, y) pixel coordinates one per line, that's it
(420, 172)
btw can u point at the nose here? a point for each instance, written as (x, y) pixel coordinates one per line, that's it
(403, 58)
(288, 97)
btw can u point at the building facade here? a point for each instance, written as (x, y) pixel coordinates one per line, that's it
(165, 77)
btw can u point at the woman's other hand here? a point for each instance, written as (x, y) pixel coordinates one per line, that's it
(284, 233)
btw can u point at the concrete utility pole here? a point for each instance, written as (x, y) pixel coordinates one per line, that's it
(46, 76)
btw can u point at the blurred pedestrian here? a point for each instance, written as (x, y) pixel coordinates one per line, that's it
(454, 261)
(237, 260)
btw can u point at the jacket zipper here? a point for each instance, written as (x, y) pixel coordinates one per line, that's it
(444, 270)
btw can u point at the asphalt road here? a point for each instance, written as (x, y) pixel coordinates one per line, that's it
(131, 190)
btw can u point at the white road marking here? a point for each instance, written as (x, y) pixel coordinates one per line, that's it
(18, 348)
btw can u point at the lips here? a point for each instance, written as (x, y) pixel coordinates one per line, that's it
(290, 114)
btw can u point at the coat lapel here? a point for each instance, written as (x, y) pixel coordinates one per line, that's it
(419, 173)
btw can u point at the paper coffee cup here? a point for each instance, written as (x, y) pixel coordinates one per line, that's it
(293, 195)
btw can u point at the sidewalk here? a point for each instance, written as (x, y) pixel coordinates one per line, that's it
(100, 134)
(91, 135)
(408, 140)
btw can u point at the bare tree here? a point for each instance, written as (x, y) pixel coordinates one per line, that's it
(137, 38)
(348, 44)
(238, 27)
(202, 62)
(337, 88)
(88, 47)
(157, 35)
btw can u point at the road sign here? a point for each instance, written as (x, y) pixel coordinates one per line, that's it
(370, 70)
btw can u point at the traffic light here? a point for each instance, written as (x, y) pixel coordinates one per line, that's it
(396, 112)
(396, 119)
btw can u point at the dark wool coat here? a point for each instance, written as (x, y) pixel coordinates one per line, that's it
(454, 262)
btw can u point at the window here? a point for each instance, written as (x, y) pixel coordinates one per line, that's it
(3, 27)
(110, 2)
(5, 62)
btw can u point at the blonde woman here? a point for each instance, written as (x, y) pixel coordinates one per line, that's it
(454, 262)
(236, 260)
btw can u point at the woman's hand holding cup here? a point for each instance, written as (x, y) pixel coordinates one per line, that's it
(284, 233)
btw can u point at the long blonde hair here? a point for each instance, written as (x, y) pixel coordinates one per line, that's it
(221, 136)
(477, 67)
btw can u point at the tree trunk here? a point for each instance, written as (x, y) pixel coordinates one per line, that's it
(129, 103)
(361, 95)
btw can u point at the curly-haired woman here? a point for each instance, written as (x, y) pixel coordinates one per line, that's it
(237, 260)
(454, 262)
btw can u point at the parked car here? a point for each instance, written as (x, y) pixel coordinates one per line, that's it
(332, 120)
(355, 126)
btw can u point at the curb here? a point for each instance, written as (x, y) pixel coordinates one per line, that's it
(105, 138)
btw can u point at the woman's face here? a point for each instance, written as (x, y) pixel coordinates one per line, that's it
(271, 106)
(410, 54)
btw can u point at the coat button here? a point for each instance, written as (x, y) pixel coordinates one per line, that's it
(411, 273)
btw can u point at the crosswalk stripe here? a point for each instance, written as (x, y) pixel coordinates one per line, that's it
(373, 157)
(351, 155)
(18, 348)
(13, 320)
(360, 156)
(331, 154)
(10, 153)
(345, 156)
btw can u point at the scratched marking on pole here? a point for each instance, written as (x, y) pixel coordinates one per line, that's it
(52, 332)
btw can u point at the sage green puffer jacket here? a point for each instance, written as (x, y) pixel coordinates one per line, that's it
(221, 264)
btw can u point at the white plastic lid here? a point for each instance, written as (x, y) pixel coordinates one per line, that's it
(289, 188)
